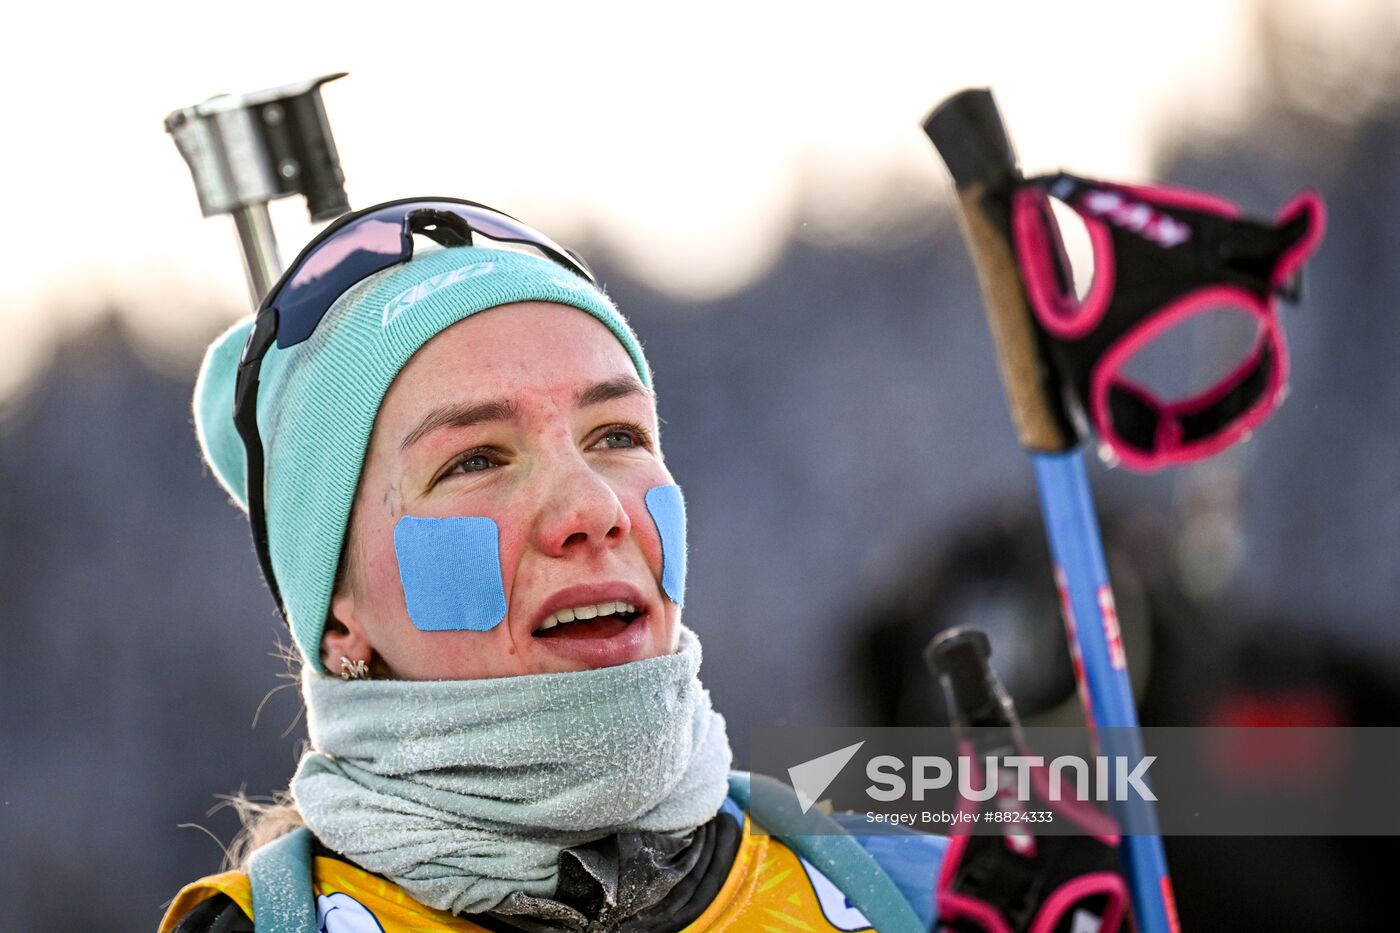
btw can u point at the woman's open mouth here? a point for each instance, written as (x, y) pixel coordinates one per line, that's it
(596, 620)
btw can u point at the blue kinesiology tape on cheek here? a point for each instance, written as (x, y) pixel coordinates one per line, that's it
(667, 508)
(451, 573)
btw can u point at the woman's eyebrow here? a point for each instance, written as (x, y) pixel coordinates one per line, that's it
(459, 416)
(463, 416)
(609, 389)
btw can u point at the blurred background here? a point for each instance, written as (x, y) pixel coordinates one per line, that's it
(753, 187)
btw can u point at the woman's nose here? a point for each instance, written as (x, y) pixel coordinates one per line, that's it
(580, 510)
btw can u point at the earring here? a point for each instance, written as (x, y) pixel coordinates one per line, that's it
(353, 670)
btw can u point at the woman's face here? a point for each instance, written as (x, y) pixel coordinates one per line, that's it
(531, 415)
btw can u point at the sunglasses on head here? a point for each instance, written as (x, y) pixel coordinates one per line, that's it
(350, 250)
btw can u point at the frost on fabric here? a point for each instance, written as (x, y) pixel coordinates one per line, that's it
(466, 792)
(281, 884)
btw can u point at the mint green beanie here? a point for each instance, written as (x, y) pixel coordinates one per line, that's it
(317, 401)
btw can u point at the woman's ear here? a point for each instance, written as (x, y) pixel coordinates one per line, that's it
(344, 636)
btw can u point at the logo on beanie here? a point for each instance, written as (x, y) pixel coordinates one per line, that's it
(409, 296)
(573, 286)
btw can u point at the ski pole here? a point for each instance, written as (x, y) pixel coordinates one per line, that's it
(245, 150)
(969, 135)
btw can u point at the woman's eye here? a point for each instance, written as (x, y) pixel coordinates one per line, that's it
(619, 439)
(623, 436)
(473, 464)
(479, 460)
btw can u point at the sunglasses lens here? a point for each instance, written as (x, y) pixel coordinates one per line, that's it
(375, 242)
(365, 246)
(498, 226)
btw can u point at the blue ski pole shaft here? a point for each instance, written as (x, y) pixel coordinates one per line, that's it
(968, 132)
(1091, 619)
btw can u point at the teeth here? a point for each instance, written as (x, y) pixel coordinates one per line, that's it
(588, 612)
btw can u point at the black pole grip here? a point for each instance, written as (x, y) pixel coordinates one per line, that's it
(967, 131)
(961, 660)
